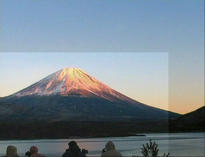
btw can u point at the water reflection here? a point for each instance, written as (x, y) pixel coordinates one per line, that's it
(178, 144)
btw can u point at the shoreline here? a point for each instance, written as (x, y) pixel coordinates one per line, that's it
(93, 137)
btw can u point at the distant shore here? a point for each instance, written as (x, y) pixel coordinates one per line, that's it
(91, 137)
(71, 130)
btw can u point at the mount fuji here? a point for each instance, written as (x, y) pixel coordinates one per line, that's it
(72, 82)
(71, 94)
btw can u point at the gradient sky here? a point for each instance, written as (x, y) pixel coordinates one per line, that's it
(172, 26)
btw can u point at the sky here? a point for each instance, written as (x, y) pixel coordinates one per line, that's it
(175, 27)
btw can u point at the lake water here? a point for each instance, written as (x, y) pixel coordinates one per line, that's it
(177, 144)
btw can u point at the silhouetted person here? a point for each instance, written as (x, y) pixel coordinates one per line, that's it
(74, 150)
(34, 152)
(11, 151)
(110, 151)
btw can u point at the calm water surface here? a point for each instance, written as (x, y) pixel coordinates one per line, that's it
(177, 144)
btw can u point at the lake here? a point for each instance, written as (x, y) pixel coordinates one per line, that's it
(177, 144)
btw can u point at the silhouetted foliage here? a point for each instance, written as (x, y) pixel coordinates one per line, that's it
(151, 150)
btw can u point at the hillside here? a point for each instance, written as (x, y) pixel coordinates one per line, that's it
(193, 121)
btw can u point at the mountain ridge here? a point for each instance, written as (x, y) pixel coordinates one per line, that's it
(72, 94)
(192, 121)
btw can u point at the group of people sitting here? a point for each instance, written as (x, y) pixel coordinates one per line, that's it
(73, 151)
(11, 151)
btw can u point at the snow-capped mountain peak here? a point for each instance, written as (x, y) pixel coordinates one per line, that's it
(71, 82)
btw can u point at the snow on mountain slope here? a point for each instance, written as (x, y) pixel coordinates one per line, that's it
(72, 81)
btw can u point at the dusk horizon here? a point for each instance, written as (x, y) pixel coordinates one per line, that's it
(74, 67)
(135, 81)
(70, 71)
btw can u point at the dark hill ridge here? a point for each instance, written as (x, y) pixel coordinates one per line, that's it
(71, 94)
(193, 121)
(197, 115)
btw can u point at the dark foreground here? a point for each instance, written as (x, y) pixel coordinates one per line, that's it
(59, 130)
(62, 130)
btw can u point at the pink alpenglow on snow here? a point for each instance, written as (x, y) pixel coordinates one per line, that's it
(72, 81)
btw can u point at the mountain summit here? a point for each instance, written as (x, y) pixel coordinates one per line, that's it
(72, 82)
(71, 94)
